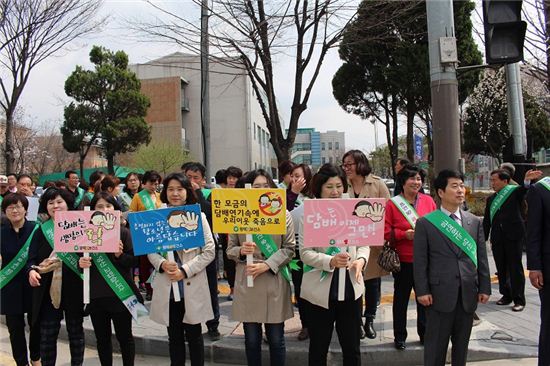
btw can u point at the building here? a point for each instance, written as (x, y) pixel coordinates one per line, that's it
(317, 148)
(239, 135)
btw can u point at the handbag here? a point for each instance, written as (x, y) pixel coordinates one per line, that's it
(389, 259)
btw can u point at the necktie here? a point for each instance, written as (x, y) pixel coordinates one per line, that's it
(454, 217)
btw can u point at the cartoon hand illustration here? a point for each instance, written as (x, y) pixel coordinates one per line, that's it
(190, 221)
(376, 212)
(109, 221)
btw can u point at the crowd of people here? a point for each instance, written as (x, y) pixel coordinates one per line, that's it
(441, 249)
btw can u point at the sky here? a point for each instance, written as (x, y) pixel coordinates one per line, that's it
(44, 98)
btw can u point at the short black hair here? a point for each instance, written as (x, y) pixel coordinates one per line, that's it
(221, 176)
(24, 176)
(107, 197)
(52, 193)
(10, 174)
(326, 172)
(407, 172)
(13, 199)
(185, 183)
(194, 167)
(403, 161)
(251, 176)
(442, 179)
(362, 166)
(285, 168)
(151, 176)
(233, 171)
(69, 172)
(503, 174)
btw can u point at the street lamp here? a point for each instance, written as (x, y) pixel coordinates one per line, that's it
(373, 120)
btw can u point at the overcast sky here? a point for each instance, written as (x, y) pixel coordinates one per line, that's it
(44, 98)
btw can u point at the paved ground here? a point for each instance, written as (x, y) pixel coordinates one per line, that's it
(502, 335)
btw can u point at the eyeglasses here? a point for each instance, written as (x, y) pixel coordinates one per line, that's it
(15, 208)
(347, 166)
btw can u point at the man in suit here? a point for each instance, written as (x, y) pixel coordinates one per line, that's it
(451, 271)
(504, 222)
(538, 258)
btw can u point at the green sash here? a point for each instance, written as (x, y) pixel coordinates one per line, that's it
(126, 198)
(16, 264)
(146, 199)
(545, 182)
(330, 251)
(89, 196)
(1, 199)
(118, 284)
(206, 192)
(500, 198)
(69, 259)
(456, 233)
(406, 209)
(79, 197)
(268, 248)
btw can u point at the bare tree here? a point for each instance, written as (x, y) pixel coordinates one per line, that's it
(30, 32)
(252, 35)
(537, 39)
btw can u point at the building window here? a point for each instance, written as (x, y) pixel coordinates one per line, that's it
(330, 160)
(254, 131)
(259, 135)
(336, 145)
(330, 146)
(324, 160)
(322, 146)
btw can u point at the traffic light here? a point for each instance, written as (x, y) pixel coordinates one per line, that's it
(504, 31)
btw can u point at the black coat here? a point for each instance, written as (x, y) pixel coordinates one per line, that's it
(71, 287)
(16, 296)
(507, 223)
(538, 230)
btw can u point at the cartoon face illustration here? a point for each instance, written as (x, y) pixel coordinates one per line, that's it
(270, 203)
(183, 219)
(104, 220)
(362, 209)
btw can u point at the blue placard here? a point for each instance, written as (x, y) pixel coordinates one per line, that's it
(166, 229)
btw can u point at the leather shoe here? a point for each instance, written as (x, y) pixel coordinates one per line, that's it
(370, 333)
(400, 345)
(504, 301)
(518, 307)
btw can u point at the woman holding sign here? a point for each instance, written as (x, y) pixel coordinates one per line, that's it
(57, 283)
(320, 283)
(183, 317)
(15, 292)
(402, 211)
(268, 301)
(106, 305)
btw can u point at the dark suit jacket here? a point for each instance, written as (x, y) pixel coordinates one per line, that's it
(508, 223)
(442, 269)
(538, 229)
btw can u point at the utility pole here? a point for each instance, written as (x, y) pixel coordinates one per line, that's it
(205, 91)
(444, 85)
(516, 116)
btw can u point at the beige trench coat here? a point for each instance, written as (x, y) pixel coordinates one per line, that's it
(196, 293)
(269, 300)
(373, 187)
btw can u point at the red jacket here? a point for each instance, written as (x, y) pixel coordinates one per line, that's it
(396, 222)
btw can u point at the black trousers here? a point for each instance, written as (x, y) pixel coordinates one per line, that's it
(347, 317)
(212, 276)
(402, 285)
(102, 313)
(229, 266)
(178, 332)
(440, 327)
(49, 332)
(372, 297)
(544, 337)
(297, 282)
(16, 329)
(511, 277)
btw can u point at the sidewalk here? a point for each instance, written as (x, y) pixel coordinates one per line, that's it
(502, 334)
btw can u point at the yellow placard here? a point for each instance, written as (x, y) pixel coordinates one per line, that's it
(249, 211)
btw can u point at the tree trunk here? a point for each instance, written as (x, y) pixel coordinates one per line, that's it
(395, 137)
(8, 153)
(111, 164)
(81, 165)
(546, 4)
(410, 130)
